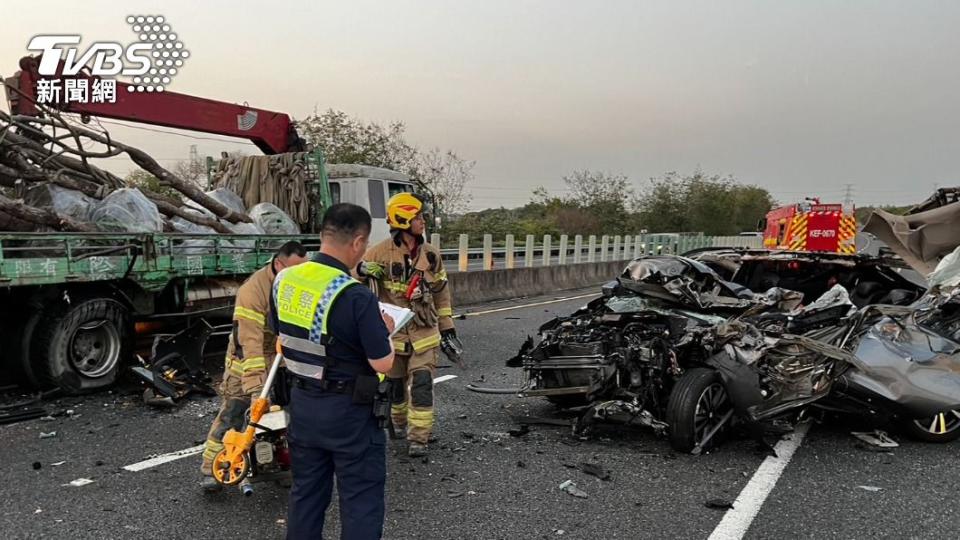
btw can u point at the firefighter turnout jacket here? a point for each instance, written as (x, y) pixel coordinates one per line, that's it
(251, 341)
(416, 281)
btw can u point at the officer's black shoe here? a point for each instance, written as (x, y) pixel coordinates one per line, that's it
(210, 485)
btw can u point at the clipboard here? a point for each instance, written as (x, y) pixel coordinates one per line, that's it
(401, 315)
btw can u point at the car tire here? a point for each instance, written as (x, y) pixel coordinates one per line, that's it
(80, 346)
(696, 404)
(942, 428)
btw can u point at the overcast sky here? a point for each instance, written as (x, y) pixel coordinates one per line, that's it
(798, 97)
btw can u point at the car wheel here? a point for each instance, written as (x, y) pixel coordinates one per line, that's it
(944, 427)
(698, 403)
(80, 347)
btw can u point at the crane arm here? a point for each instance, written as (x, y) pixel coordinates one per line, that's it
(272, 132)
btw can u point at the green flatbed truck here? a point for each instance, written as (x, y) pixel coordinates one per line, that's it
(73, 304)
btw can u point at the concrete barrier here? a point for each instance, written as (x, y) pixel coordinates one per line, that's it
(486, 286)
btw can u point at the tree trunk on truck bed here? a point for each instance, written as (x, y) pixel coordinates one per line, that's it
(42, 216)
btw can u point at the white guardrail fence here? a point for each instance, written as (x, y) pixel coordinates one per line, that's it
(547, 251)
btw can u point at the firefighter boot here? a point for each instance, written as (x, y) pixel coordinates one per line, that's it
(420, 413)
(398, 407)
(418, 450)
(399, 432)
(209, 485)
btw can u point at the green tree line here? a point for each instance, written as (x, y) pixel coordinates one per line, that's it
(602, 203)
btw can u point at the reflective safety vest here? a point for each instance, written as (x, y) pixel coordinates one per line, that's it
(303, 296)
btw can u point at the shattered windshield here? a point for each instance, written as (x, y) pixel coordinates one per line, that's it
(630, 304)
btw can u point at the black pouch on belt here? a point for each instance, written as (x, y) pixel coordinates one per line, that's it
(365, 389)
(382, 404)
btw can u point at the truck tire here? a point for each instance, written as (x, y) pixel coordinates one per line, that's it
(22, 350)
(696, 404)
(21, 327)
(79, 347)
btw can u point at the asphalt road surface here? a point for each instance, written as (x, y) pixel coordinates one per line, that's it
(479, 482)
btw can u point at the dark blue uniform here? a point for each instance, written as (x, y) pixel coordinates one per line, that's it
(330, 434)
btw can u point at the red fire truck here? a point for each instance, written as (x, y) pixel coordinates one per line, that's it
(811, 226)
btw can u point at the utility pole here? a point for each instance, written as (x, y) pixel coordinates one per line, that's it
(194, 156)
(196, 168)
(848, 195)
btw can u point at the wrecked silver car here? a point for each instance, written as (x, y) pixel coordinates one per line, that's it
(692, 346)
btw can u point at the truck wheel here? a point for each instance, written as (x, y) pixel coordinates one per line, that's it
(80, 348)
(696, 405)
(23, 346)
(942, 428)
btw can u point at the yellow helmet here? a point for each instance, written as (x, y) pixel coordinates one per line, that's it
(401, 209)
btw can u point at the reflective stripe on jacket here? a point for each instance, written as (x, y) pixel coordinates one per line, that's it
(398, 269)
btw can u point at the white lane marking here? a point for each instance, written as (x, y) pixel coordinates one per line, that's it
(498, 310)
(442, 378)
(164, 458)
(736, 521)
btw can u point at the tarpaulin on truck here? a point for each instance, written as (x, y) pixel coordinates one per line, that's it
(280, 179)
(127, 210)
(64, 201)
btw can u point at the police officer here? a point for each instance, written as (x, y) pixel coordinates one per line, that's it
(250, 345)
(335, 341)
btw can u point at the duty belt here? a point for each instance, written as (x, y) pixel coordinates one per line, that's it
(337, 387)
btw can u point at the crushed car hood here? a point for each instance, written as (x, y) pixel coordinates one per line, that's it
(911, 355)
(691, 284)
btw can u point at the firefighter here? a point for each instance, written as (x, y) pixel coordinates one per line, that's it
(405, 271)
(250, 344)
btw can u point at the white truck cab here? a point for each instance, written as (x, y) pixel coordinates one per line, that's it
(369, 187)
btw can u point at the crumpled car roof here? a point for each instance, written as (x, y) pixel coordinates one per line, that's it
(925, 234)
(684, 281)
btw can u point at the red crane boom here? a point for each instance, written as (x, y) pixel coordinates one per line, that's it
(272, 132)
